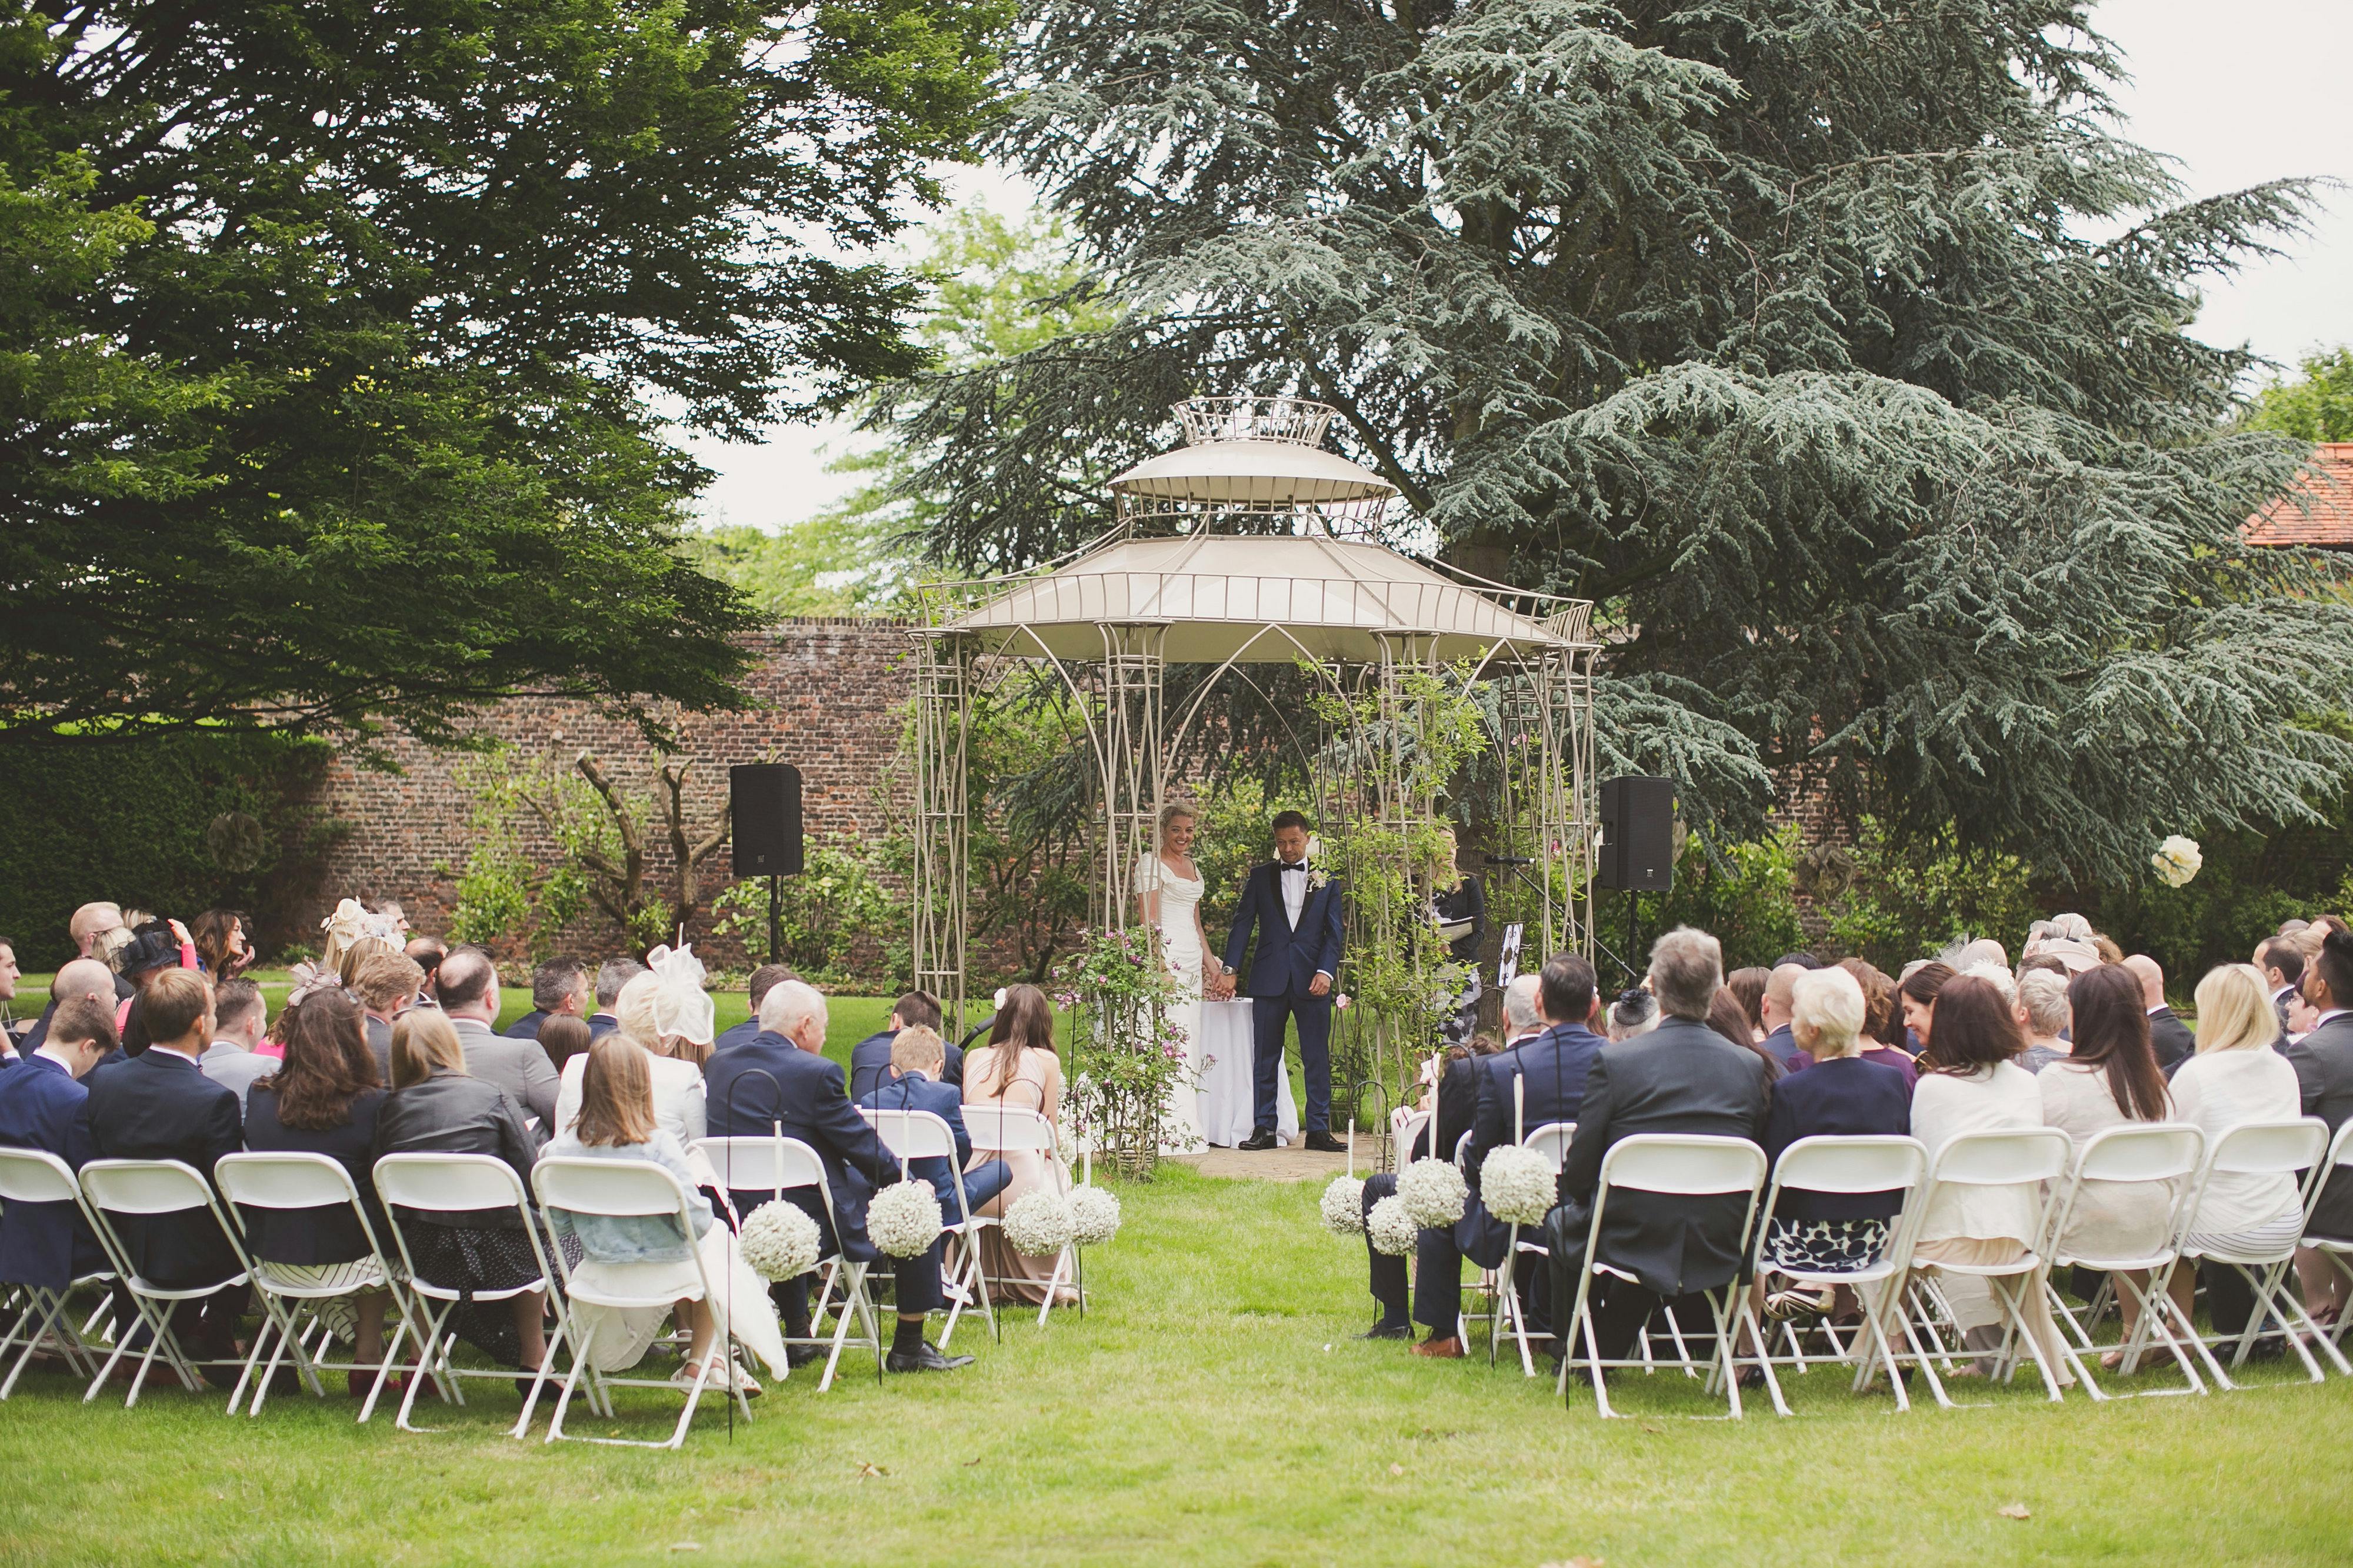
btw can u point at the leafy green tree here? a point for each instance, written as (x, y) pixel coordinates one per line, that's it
(2317, 406)
(336, 335)
(1775, 329)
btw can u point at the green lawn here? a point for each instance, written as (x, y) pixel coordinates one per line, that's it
(1211, 1409)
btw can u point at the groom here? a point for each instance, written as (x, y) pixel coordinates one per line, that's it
(1296, 912)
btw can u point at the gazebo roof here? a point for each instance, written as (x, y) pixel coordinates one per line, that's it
(1257, 599)
(1251, 473)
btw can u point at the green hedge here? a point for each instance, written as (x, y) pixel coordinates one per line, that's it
(126, 821)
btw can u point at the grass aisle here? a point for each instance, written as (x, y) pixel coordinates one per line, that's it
(1211, 1410)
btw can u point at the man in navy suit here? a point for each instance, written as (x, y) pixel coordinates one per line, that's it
(780, 1077)
(870, 1059)
(763, 980)
(557, 985)
(918, 1055)
(1297, 913)
(49, 1245)
(159, 1105)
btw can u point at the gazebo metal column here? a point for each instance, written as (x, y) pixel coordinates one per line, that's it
(943, 723)
(1130, 761)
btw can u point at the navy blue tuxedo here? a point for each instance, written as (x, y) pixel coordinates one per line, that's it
(914, 1092)
(527, 1026)
(807, 1094)
(742, 1033)
(869, 1066)
(1282, 964)
(1551, 1070)
(159, 1105)
(46, 1244)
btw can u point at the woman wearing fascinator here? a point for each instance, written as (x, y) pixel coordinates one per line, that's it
(666, 1013)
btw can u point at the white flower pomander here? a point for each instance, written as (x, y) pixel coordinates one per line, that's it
(1038, 1224)
(2177, 860)
(1433, 1193)
(1517, 1184)
(1391, 1228)
(779, 1241)
(902, 1220)
(1343, 1205)
(1094, 1216)
(1066, 1144)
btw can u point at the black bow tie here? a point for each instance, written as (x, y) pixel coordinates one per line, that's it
(1292, 866)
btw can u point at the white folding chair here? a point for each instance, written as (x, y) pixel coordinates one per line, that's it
(1007, 1129)
(461, 1184)
(1677, 1165)
(288, 1180)
(1551, 1141)
(1414, 1131)
(2335, 1251)
(38, 1176)
(2292, 1148)
(914, 1135)
(783, 1164)
(2165, 1154)
(624, 1189)
(2032, 1158)
(149, 1188)
(1844, 1165)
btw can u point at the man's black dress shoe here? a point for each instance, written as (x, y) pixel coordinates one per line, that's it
(1387, 1332)
(927, 1358)
(804, 1355)
(1325, 1144)
(1261, 1138)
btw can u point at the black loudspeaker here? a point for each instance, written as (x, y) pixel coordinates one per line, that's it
(765, 798)
(1638, 834)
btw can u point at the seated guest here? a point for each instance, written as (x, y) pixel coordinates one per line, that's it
(665, 1012)
(2236, 1077)
(559, 988)
(2281, 961)
(1748, 988)
(611, 975)
(80, 979)
(240, 1019)
(159, 1105)
(49, 1245)
(1842, 1095)
(323, 1100)
(1970, 1082)
(467, 985)
(1774, 1011)
(1882, 1024)
(1019, 1067)
(1437, 1259)
(1523, 1015)
(2108, 1078)
(617, 1121)
(1635, 1013)
(427, 953)
(222, 950)
(870, 1059)
(1682, 1077)
(2323, 1061)
(436, 1107)
(1726, 1018)
(2042, 1006)
(155, 950)
(563, 1038)
(1916, 996)
(755, 990)
(387, 985)
(780, 1077)
(916, 1056)
(2168, 1037)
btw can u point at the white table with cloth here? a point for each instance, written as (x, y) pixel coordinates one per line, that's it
(1229, 1093)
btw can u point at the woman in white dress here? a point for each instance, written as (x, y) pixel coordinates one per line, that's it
(1168, 898)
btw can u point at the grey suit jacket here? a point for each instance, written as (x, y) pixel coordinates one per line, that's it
(226, 1062)
(518, 1067)
(1682, 1077)
(2323, 1061)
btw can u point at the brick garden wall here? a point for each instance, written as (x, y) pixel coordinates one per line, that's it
(829, 696)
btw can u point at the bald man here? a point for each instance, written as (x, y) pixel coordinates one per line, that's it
(1780, 993)
(91, 922)
(2168, 1037)
(81, 978)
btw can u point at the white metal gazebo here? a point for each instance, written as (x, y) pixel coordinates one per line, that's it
(1249, 546)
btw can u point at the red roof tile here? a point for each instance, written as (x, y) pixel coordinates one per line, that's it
(2318, 511)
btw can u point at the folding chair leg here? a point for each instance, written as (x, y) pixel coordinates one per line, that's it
(1748, 1319)
(539, 1381)
(571, 1383)
(841, 1325)
(47, 1312)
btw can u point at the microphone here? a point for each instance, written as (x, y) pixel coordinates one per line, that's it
(1508, 859)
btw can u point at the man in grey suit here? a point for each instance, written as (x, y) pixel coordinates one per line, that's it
(1682, 1077)
(2323, 1061)
(468, 984)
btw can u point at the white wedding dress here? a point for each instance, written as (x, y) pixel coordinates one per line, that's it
(1180, 946)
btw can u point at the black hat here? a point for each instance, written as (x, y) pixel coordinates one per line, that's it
(1802, 959)
(151, 949)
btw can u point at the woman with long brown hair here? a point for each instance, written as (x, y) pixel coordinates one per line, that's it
(323, 1100)
(1019, 1067)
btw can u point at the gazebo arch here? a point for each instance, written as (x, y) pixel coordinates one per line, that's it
(1249, 545)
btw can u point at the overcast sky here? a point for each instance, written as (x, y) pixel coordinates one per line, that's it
(2240, 92)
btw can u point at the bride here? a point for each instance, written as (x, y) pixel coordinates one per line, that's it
(1168, 896)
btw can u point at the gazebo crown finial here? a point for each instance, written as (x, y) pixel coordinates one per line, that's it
(1295, 421)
